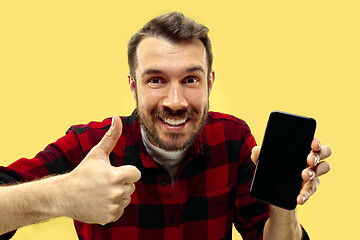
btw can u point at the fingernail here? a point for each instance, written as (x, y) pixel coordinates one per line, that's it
(311, 174)
(317, 158)
(303, 198)
(112, 122)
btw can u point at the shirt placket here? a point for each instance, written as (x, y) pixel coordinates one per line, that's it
(173, 198)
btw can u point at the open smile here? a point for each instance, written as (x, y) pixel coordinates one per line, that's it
(174, 124)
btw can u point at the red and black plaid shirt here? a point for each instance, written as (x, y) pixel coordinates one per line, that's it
(210, 192)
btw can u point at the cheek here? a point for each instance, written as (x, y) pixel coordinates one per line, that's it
(198, 99)
(148, 101)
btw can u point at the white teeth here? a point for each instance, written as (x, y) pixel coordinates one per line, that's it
(174, 122)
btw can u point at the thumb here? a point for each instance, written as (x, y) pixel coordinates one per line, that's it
(255, 152)
(108, 142)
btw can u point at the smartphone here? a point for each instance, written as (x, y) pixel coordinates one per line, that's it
(283, 156)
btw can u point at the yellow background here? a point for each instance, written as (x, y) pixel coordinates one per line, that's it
(64, 62)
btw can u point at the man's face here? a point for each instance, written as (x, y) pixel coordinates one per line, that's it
(172, 91)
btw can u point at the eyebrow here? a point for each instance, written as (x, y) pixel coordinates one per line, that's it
(195, 69)
(151, 71)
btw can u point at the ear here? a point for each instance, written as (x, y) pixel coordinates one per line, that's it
(211, 81)
(132, 86)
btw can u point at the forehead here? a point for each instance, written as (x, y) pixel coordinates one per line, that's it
(159, 53)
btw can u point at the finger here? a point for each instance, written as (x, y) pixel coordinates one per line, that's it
(255, 152)
(130, 188)
(313, 158)
(122, 191)
(325, 152)
(322, 168)
(125, 202)
(308, 174)
(312, 172)
(315, 145)
(127, 174)
(108, 142)
(308, 190)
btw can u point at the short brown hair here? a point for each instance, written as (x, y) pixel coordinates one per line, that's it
(175, 27)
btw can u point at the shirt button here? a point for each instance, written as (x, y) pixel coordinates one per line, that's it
(163, 183)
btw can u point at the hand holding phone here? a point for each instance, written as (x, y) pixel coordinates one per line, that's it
(286, 144)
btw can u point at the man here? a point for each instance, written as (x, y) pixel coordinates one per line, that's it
(172, 170)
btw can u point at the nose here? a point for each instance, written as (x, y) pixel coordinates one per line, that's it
(175, 99)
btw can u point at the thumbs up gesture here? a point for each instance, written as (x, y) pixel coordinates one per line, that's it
(97, 192)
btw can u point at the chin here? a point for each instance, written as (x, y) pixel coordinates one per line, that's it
(174, 143)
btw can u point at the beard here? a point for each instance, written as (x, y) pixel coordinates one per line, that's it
(173, 141)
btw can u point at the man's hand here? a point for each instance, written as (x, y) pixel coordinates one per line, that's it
(315, 169)
(284, 224)
(97, 192)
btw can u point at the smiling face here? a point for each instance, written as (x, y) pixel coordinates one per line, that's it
(172, 91)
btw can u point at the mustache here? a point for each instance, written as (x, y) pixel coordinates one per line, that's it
(184, 113)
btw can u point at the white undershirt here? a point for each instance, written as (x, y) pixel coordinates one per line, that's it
(170, 160)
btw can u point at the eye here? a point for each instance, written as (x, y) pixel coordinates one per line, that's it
(191, 80)
(155, 81)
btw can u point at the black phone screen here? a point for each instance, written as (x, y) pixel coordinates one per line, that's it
(285, 147)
